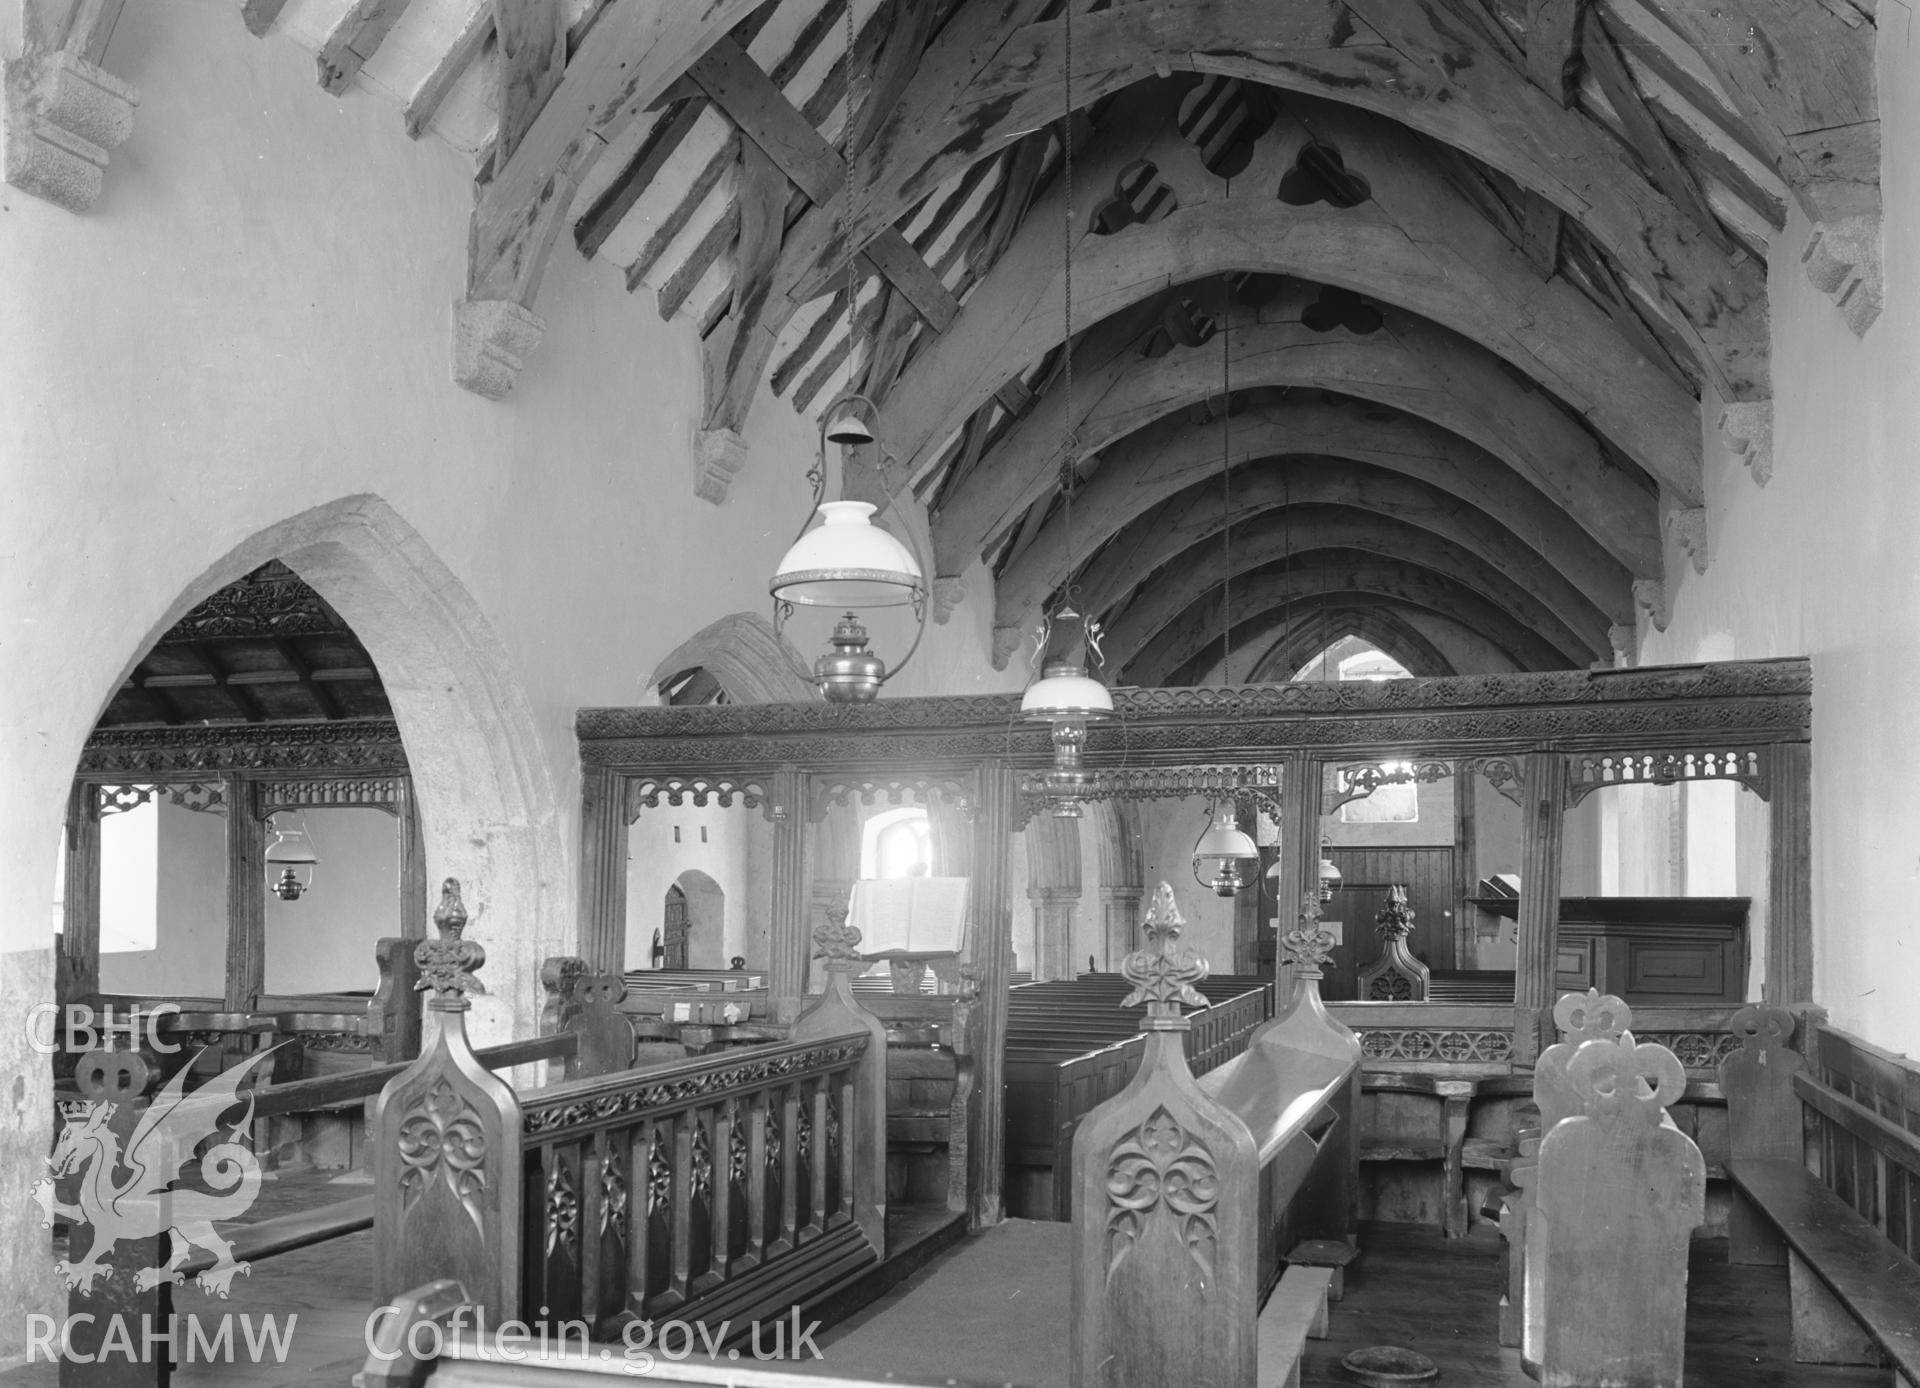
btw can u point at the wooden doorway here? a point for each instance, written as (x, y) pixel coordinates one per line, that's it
(1365, 876)
(673, 930)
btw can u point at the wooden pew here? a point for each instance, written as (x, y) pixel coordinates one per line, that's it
(1826, 1178)
(1057, 1074)
(1620, 1190)
(708, 1189)
(1186, 1190)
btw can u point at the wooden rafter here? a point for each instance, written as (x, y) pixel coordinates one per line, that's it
(354, 39)
(1159, 461)
(432, 92)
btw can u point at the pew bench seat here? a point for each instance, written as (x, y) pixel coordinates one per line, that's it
(1875, 1284)
(1294, 1314)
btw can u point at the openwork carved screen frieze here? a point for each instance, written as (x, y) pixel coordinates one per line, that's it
(1593, 771)
(827, 791)
(1504, 774)
(387, 793)
(1253, 789)
(651, 792)
(1417, 1044)
(1358, 780)
(189, 795)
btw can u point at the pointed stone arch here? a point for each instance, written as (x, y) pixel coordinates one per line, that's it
(753, 663)
(489, 812)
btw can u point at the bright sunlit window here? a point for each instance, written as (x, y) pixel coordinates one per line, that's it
(130, 879)
(897, 843)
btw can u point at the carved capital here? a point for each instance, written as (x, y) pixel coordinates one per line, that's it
(491, 338)
(1746, 428)
(1842, 258)
(59, 117)
(717, 455)
(1689, 527)
(949, 591)
(1650, 599)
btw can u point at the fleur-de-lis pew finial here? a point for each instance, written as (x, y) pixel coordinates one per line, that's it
(1163, 973)
(448, 965)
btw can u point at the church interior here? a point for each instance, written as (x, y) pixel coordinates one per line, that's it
(1195, 673)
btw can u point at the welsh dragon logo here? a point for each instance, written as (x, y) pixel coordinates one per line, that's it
(129, 1194)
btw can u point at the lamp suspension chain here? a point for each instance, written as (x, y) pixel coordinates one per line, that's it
(1226, 479)
(846, 204)
(1070, 468)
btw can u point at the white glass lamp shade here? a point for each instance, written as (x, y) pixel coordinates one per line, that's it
(1225, 857)
(1066, 694)
(290, 863)
(847, 561)
(1329, 879)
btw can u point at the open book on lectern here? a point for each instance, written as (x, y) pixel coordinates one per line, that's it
(910, 915)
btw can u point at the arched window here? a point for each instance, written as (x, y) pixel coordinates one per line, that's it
(897, 843)
(1353, 658)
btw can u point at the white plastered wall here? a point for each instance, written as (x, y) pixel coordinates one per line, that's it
(1825, 560)
(241, 353)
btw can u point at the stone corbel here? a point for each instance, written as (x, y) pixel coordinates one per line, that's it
(491, 338)
(949, 591)
(1746, 428)
(717, 455)
(1006, 640)
(1650, 600)
(1842, 258)
(60, 116)
(1689, 527)
(1622, 640)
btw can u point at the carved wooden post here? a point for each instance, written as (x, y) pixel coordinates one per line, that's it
(1396, 976)
(446, 1146)
(1763, 1121)
(394, 1010)
(1544, 807)
(1621, 1192)
(1166, 1203)
(1300, 798)
(964, 1041)
(990, 947)
(414, 889)
(80, 911)
(603, 869)
(1789, 956)
(246, 896)
(787, 932)
(835, 1012)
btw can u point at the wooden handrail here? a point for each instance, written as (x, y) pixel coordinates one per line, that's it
(285, 1233)
(325, 1091)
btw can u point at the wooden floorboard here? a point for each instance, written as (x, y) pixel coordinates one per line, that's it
(1410, 1287)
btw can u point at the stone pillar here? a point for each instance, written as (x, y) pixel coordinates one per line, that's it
(1120, 919)
(1789, 943)
(789, 941)
(1543, 804)
(1053, 913)
(246, 896)
(991, 948)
